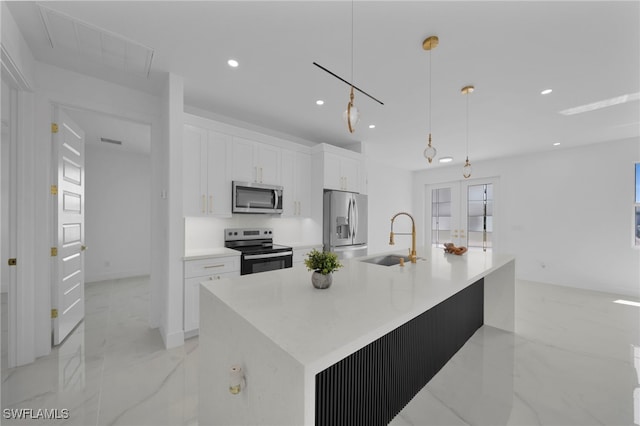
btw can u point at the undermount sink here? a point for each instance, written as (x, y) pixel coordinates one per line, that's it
(387, 259)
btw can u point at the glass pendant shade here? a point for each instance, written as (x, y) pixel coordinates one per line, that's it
(466, 170)
(430, 151)
(351, 116)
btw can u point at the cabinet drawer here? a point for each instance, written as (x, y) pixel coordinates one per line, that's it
(211, 266)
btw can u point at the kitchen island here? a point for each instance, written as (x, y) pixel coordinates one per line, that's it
(363, 347)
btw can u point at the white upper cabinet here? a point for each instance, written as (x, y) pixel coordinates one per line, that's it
(296, 180)
(206, 176)
(342, 173)
(256, 162)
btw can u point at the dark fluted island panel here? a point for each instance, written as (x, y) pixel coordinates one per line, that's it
(372, 385)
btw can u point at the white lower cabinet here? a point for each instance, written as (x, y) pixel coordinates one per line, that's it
(300, 253)
(196, 271)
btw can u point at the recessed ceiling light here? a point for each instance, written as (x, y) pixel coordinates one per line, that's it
(556, 143)
(546, 91)
(233, 63)
(372, 126)
(446, 159)
(319, 102)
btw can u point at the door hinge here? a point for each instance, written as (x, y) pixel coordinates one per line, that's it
(13, 261)
(54, 128)
(54, 313)
(54, 189)
(54, 251)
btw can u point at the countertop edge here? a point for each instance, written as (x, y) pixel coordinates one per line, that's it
(210, 253)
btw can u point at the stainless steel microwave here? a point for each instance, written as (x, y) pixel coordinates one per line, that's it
(251, 197)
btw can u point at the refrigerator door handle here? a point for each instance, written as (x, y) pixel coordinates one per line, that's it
(350, 219)
(353, 218)
(356, 218)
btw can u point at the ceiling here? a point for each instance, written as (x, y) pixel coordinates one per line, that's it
(586, 51)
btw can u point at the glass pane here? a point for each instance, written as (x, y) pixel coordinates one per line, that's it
(637, 183)
(444, 195)
(475, 239)
(490, 208)
(479, 215)
(476, 192)
(440, 215)
(638, 225)
(476, 208)
(445, 223)
(444, 209)
(489, 223)
(476, 224)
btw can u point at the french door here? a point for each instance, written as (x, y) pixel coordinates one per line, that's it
(462, 213)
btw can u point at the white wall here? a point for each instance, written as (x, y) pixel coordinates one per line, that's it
(566, 214)
(390, 192)
(117, 211)
(203, 232)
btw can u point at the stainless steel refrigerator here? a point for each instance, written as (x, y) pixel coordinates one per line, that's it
(345, 224)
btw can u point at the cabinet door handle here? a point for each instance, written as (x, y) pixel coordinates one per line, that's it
(203, 203)
(210, 203)
(220, 265)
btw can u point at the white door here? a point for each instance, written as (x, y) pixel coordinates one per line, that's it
(444, 214)
(477, 208)
(462, 212)
(68, 291)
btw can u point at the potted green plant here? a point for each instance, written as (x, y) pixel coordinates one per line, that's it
(322, 263)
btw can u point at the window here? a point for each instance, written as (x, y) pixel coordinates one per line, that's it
(637, 207)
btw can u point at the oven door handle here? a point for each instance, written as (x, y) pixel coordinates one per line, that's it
(268, 255)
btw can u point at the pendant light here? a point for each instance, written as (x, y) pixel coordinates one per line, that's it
(466, 170)
(429, 44)
(351, 115)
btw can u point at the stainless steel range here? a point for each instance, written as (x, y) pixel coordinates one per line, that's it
(259, 254)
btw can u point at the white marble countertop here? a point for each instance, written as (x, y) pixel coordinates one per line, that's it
(209, 253)
(365, 301)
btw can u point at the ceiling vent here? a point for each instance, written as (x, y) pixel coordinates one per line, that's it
(95, 44)
(113, 141)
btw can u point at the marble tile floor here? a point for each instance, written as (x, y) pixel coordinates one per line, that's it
(570, 362)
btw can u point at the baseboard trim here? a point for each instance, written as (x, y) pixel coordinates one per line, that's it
(172, 340)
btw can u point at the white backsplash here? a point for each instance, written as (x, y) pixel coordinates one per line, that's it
(206, 232)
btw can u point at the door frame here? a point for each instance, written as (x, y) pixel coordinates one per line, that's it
(21, 304)
(462, 186)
